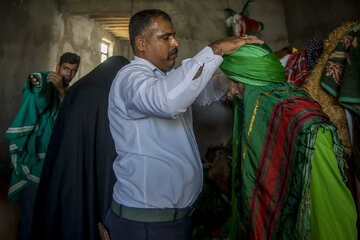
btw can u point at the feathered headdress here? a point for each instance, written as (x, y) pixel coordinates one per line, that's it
(240, 23)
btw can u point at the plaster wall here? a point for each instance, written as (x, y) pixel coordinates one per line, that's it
(34, 35)
(79, 34)
(308, 19)
(197, 24)
(37, 32)
(26, 29)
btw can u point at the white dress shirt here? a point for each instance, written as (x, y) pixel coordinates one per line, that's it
(158, 163)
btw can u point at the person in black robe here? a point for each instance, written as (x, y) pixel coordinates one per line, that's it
(75, 190)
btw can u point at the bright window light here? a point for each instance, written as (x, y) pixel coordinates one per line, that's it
(104, 48)
(103, 57)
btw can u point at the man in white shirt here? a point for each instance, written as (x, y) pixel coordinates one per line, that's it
(158, 166)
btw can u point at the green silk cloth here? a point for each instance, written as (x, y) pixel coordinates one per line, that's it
(341, 76)
(330, 198)
(253, 64)
(29, 133)
(273, 146)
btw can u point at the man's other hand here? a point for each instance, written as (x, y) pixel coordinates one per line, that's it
(34, 81)
(57, 80)
(228, 45)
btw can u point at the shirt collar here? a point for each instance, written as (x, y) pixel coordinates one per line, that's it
(153, 68)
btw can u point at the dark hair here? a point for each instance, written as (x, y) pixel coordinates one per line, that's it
(141, 20)
(69, 57)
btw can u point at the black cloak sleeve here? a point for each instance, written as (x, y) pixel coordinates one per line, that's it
(75, 189)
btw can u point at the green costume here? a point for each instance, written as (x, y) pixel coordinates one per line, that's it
(281, 176)
(30, 132)
(342, 71)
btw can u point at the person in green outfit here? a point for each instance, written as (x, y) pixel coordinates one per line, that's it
(288, 163)
(66, 70)
(29, 134)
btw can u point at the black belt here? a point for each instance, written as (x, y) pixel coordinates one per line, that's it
(151, 214)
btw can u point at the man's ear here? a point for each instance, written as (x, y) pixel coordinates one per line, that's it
(140, 43)
(57, 68)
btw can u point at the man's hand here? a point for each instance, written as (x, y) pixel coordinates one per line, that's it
(35, 82)
(229, 45)
(57, 80)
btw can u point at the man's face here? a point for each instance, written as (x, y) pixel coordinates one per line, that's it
(236, 88)
(161, 45)
(68, 71)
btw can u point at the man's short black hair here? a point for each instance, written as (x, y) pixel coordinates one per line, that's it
(69, 57)
(141, 20)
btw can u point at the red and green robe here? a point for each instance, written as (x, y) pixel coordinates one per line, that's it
(278, 161)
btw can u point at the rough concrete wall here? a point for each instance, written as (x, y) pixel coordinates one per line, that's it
(308, 19)
(34, 35)
(26, 28)
(64, 26)
(79, 34)
(96, 6)
(197, 24)
(271, 14)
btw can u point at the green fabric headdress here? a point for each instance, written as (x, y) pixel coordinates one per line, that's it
(253, 64)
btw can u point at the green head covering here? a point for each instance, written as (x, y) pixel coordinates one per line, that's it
(254, 64)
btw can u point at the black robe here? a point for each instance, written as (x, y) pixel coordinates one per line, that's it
(75, 189)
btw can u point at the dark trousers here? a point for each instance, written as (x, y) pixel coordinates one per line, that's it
(123, 229)
(27, 202)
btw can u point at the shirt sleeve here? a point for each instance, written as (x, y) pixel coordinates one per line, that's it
(217, 87)
(144, 92)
